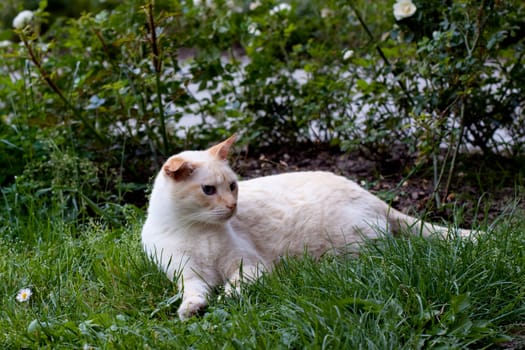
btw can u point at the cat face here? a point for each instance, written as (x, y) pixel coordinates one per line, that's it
(202, 185)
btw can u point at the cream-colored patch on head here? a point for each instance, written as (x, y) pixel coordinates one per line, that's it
(214, 187)
(202, 184)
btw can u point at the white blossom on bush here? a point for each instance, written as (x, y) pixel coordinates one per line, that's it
(254, 5)
(23, 19)
(253, 30)
(231, 4)
(404, 9)
(282, 7)
(206, 3)
(347, 54)
(326, 12)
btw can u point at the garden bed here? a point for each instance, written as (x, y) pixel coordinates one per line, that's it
(482, 187)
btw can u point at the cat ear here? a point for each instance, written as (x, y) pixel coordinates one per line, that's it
(178, 168)
(221, 150)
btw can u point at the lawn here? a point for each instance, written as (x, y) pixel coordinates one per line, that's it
(91, 105)
(93, 288)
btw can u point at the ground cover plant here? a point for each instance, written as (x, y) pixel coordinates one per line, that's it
(394, 98)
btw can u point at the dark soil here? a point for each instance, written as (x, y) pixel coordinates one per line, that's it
(482, 187)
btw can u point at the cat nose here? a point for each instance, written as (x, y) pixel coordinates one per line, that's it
(231, 206)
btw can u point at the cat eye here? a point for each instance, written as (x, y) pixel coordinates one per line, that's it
(209, 190)
(233, 186)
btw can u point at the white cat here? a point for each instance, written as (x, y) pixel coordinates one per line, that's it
(205, 229)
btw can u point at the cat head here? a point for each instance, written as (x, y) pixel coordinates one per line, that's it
(202, 185)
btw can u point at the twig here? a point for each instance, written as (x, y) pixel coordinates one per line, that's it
(157, 64)
(470, 50)
(437, 179)
(43, 73)
(456, 150)
(379, 51)
(157, 60)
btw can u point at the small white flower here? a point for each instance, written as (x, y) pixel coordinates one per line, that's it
(5, 43)
(230, 4)
(326, 12)
(283, 7)
(404, 9)
(23, 295)
(23, 19)
(205, 3)
(253, 30)
(347, 54)
(254, 5)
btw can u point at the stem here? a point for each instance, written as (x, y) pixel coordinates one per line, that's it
(379, 51)
(470, 50)
(456, 150)
(43, 73)
(157, 64)
(103, 42)
(437, 179)
(161, 113)
(157, 61)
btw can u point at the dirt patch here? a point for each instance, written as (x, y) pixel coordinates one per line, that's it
(482, 187)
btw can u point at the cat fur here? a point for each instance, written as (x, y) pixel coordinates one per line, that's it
(202, 241)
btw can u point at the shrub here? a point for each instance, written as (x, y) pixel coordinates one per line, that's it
(115, 89)
(462, 74)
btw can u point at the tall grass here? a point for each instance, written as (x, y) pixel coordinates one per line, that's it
(72, 151)
(94, 288)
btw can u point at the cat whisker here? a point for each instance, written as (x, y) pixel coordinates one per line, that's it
(213, 216)
(222, 213)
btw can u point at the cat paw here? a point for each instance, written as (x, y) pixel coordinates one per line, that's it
(232, 289)
(191, 306)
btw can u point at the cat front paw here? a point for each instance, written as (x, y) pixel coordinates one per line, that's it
(191, 306)
(232, 289)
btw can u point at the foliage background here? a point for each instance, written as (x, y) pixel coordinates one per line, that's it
(112, 90)
(92, 101)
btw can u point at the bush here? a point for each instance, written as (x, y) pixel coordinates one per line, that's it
(114, 88)
(456, 76)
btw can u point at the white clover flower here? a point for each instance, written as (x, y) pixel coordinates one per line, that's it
(347, 54)
(23, 295)
(404, 9)
(253, 30)
(254, 5)
(23, 19)
(283, 7)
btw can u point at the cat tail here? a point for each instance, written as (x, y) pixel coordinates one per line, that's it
(402, 224)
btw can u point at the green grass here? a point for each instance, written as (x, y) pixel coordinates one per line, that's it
(93, 288)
